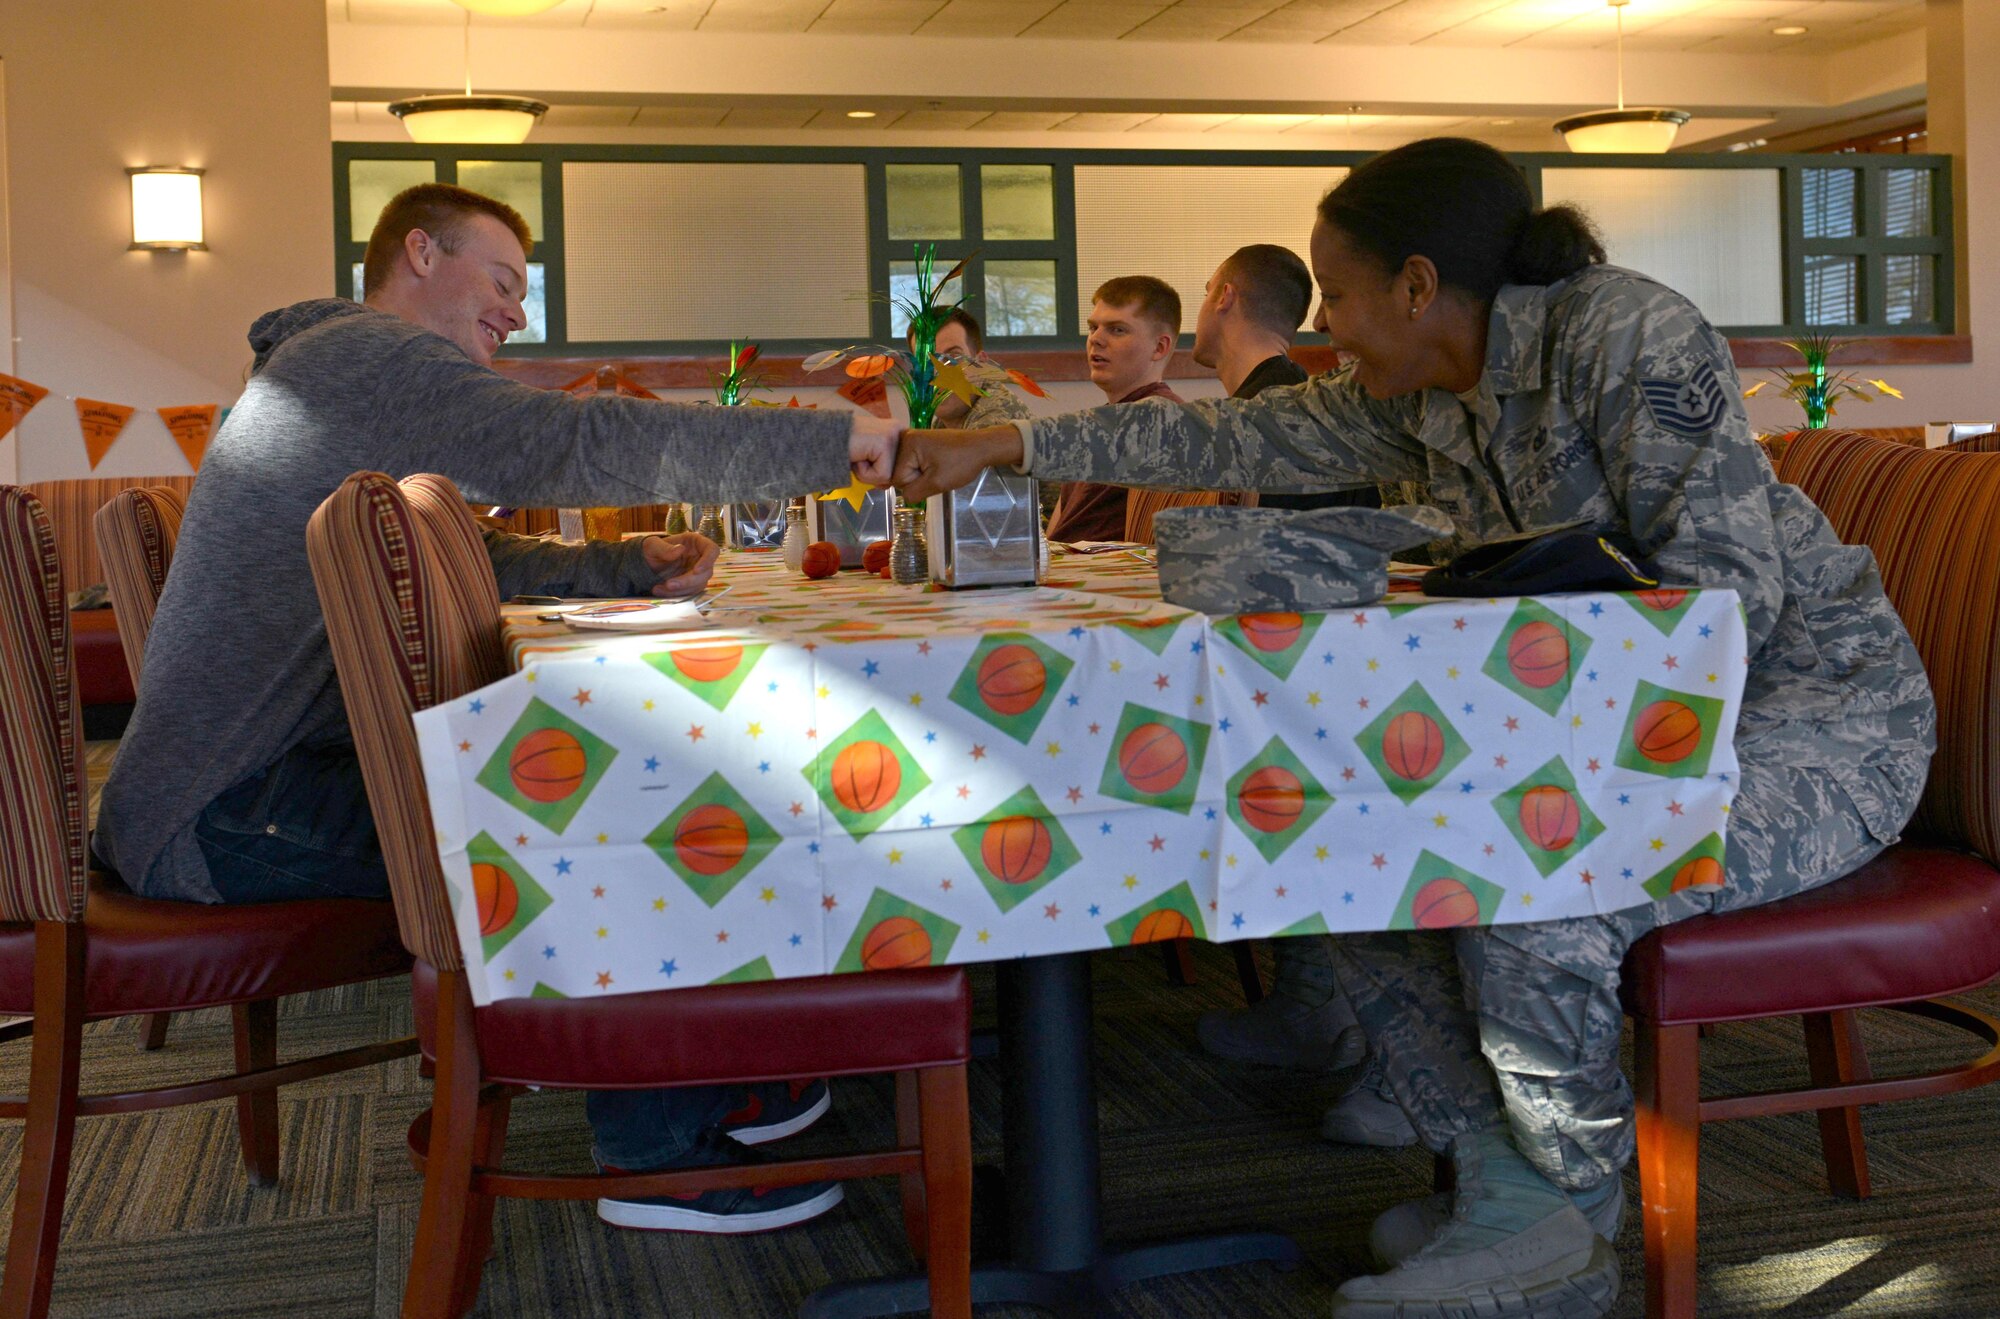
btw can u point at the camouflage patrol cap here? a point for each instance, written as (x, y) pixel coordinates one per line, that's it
(1233, 560)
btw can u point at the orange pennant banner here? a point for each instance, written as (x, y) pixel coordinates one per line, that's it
(192, 428)
(17, 398)
(102, 424)
(868, 393)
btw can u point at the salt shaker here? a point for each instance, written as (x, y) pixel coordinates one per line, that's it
(711, 522)
(906, 552)
(796, 537)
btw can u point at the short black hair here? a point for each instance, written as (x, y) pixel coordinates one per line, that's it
(1468, 209)
(1274, 284)
(975, 337)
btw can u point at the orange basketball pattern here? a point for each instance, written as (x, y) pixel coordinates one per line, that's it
(1012, 679)
(896, 943)
(1538, 654)
(866, 776)
(1444, 903)
(708, 663)
(1702, 872)
(498, 898)
(1666, 732)
(547, 765)
(1271, 632)
(711, 839)
(1166, 923)
(1663, 599)
(1153, 758)
(1271, 799)
(1412, 745)
(1550, 817)
(1016, 849)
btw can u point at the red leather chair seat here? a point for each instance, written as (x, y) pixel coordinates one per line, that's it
(1916, 922)
(102, 676)
(146, 955)
(760, 1031)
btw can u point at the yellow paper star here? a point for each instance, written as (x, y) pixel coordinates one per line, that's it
(1658, 844)
(1055, 748)
(916, 698)
(1131, 881)
(984, 936)
(659, 904)
(1887, 388)
(951, 376)
(755, 730)
(1312, 699)
(1439, 820)
(1319, 853)
(894, 856)
(768, 895)
(853, 492)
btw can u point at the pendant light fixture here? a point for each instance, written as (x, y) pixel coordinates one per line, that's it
(491, 120)
(1643, 130)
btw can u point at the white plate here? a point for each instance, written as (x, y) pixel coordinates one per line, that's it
(638, 616)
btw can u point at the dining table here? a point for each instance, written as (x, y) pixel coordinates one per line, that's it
(846, 775)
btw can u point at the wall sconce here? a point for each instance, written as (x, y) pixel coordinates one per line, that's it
(166, 209)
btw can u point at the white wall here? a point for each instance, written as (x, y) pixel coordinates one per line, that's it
(237, 87)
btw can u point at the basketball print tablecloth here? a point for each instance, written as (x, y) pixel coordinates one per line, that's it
(848, 775)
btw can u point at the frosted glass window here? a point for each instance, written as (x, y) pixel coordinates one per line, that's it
(924, 202)
(1020, 298)
(1178, 222)
(1909, 288)
(1833, 290)
(1832, 204)
(1906, 203)
(1712, 235)
(696, 250)
(535, 306)
(903, 289)
(516, 182)
(370, 185)
(1018, 201)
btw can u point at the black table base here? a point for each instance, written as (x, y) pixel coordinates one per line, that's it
(1058, 1259)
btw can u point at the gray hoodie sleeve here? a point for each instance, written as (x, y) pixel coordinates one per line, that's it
(504, 442)
(530, 565)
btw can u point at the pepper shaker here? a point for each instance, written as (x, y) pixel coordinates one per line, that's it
(906, 552)
(711, 522)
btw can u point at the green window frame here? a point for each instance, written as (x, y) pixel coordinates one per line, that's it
(1871, 245)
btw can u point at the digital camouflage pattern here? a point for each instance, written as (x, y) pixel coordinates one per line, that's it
(996, 407)
(1223, 560)
(1606, 399)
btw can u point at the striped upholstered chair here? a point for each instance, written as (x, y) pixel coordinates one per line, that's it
(413, 614)
(76, 947)
(1913, 924)
(136, 530)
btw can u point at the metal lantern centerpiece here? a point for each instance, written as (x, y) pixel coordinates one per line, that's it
(990, 532)
(757, 524)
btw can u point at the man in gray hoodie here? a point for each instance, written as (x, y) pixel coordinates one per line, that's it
(237, 780)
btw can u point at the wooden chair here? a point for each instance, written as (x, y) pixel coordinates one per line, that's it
(136, 530)
(1913, 924)
(75, 948)
(413, 614)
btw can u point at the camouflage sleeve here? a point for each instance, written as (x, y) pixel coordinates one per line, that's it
(996, 408)
(1323, 433)
(1660, 393)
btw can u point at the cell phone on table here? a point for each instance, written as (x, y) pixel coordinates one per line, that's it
(537, 600)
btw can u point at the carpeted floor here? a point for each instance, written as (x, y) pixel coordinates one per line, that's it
(161, 1223)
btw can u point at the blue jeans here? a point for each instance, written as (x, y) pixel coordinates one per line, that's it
(302, 829)
(299, 829)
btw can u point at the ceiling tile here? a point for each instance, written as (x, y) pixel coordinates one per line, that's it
(838, 121)
(986, 18)
(876, 17)
(766, 116)
(1186, 22)
(761, 15)
(1096, 121)
(649, 15)
(679, 116)
(1092, 18)
(590, 116)
(1020, 121)
(940, 121)
(1183, 123)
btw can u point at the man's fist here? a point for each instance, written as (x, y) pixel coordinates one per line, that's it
(871, 448)
(931, 462)
(683, 562)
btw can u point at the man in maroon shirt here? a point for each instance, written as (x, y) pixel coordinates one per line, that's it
(1134, 321)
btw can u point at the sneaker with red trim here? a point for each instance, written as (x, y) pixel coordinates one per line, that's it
(728, 1212)
(774, 1110)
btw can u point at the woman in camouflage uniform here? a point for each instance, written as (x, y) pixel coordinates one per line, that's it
(1498, 361)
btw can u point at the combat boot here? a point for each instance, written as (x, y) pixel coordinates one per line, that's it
(1304, 1022)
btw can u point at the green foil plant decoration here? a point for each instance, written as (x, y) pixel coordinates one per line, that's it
(1819, 389)
(734, 384)
(917, 372)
